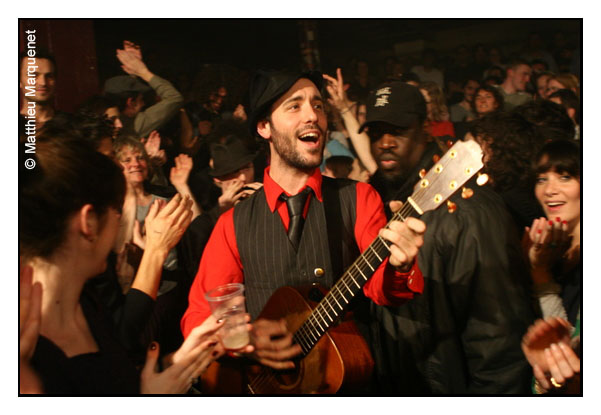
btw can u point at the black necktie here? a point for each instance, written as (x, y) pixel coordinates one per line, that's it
(296, 204)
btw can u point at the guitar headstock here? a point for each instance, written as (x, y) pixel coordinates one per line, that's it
(460, 163)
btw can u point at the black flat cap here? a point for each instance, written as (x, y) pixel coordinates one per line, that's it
(266, 86)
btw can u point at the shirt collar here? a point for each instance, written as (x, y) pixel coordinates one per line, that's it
(273, 190)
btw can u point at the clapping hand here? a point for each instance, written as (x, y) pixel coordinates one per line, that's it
(131, 60)
(546, 345)
(166, 225)
(152, 145)
(181, 171)
(549, 241)
(132, 48)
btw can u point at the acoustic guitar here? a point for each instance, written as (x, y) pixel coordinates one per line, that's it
(335, 357)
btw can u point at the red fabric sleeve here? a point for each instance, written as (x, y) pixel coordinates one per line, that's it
(220, 264)
(387, 286)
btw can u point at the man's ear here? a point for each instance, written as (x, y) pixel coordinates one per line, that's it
(571, 112)
(264, 129)
(87, 221)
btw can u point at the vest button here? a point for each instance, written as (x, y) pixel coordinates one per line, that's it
(318, 272)
(304, 274)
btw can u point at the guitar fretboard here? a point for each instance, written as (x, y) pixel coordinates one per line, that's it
(335, 303)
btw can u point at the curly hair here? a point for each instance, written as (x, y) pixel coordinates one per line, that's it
(550, 118)
(440, 112)
(511, 144)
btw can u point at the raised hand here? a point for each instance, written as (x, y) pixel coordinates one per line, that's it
(152, 145)
(240, 113)
(132, 64)
(549, 241)
(132, 48)
(166, 225)
(335, 88)
(181, 171)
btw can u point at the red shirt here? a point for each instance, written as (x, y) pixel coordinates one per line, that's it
(220, 263)
(442, 128)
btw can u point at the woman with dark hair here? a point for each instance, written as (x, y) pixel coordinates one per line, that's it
(69, 210)
(487, 99)
(553, 247)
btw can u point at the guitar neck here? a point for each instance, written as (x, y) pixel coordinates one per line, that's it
(335, 303)
(449, 173)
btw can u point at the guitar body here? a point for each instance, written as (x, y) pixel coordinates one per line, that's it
(337, 357)
(339, 361)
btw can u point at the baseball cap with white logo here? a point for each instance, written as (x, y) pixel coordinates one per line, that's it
(396, 103)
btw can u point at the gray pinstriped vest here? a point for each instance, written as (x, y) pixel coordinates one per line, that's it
(269, 259)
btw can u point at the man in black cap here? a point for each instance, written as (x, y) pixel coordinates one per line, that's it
(130, 90)
(232, 173)
(257, 242)
(463, 335)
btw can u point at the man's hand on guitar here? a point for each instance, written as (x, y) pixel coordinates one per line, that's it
(273, 344)
(406, 237)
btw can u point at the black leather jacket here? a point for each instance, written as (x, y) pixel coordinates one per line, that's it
(462, 336)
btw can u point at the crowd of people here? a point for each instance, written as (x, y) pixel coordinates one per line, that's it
(142, 201)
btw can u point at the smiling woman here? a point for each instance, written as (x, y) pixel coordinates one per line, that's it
(553, 248)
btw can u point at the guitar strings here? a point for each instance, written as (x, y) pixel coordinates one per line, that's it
(351, 275)
(368, 256)
(302, 334)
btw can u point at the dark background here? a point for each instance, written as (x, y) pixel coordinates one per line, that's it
(191, 52)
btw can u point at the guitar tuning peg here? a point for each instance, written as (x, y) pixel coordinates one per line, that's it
(436, 158)
(466, 193)
(451, 207)
(482, 179)
(422, 173)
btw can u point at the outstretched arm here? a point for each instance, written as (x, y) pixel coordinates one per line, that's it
(179, 179)
(171, 100)
(339, 100)
(165, 227)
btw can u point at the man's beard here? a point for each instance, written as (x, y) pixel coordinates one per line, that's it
(285, 147)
